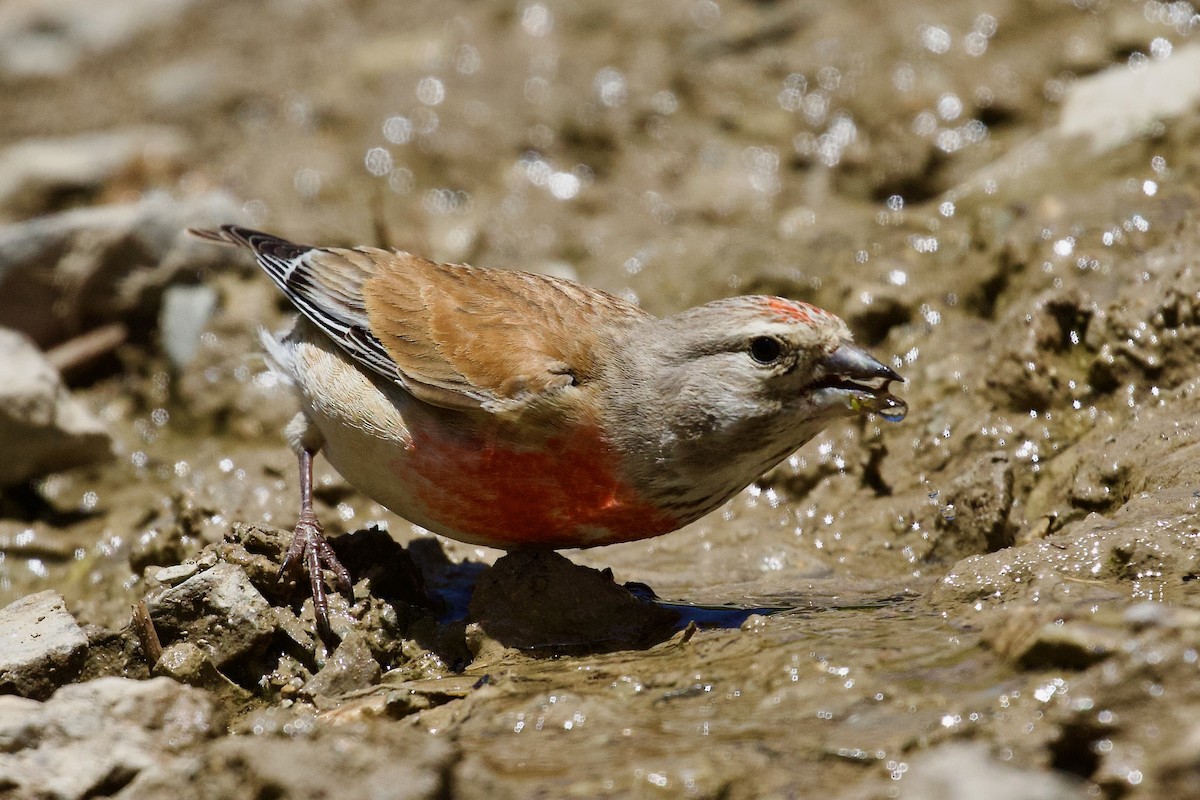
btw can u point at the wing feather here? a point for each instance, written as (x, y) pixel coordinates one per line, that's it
(512, 335)
(451, 334)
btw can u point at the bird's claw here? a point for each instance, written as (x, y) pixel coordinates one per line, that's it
(311, 549)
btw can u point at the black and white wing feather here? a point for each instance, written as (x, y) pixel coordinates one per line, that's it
(323, 284)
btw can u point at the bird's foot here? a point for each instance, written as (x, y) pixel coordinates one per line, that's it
(311, 552)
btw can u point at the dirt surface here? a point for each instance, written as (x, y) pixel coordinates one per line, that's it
(995, 597)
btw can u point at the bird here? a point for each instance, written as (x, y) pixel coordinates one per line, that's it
(523, 411)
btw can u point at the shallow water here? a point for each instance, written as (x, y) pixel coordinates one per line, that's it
(1008, 564)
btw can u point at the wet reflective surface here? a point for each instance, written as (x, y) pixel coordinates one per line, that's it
(999, 199)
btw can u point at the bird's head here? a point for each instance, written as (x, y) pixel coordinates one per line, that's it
(773, 360)
(736, 385)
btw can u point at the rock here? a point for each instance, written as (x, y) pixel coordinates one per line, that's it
(92, 739)
(403, 697)
(114, 653)
(1119, 103)
(41, 645)
(1103, 111)
(219, 610)
(373, 555)
(51, 37)
(36, 175)
(176, 574)
(1151, 614)
(20, 723)
(974, 510)
(1037, 352)
(186, 311)
(1033, 637)
(257, 549)
(185, 84)
(380, 760)
(351, 667)
(876, 309)
(158, 704)
(188, 663)
(541, 601)
(1178, 773)
(966, 771)
(44, 429)
(64, 274)
(1071, 645)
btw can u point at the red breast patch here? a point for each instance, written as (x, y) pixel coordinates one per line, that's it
(562, 492)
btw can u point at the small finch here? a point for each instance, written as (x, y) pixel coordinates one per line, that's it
(522, 411)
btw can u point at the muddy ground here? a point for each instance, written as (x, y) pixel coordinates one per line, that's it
(994, 598)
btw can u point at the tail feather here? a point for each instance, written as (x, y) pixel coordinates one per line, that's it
(271, 250)
(324, 285)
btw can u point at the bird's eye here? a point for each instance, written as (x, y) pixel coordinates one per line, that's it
(766, 349)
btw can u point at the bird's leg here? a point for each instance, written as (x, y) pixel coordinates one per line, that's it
(310, 549)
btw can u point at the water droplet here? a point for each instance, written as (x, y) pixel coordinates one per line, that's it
(378, 161)
(886, 405)
(431, 91)
(468, 61)
(563, 185)
(307, 183)
(934, 38)
(706, 13)
(975, 43)
(537, 20)
(949, 107)
(610, 87)
(398, 130)
(401, 180)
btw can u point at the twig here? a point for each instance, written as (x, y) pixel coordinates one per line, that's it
(143, 627)
(87, 346)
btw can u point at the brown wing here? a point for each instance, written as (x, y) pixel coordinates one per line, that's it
(453, 335)
(499, 335)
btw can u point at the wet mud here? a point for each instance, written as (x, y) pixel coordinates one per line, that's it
(995, 596)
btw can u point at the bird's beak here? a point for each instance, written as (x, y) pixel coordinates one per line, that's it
(860, 381)
(853, 364)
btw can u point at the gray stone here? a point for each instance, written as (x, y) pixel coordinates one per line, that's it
(65, 274)
(1114, 106)
(186, 311)
(20, 723)
(962, 771)
(382, 760)
(176, 574)
(189, 663)
(1151, 614)
(157, 704)
(51, 37)
(219, 610)
(91, 739)
(44, 429)
(542, 601)
(35, 172)
(351, 667)
(1103, 111)
(41, 645)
